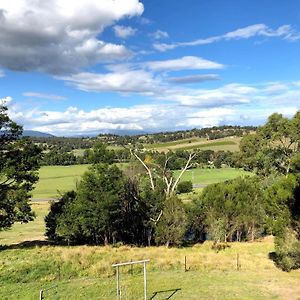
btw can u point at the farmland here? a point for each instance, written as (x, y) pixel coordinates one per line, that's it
(225, 144)
(55, 180)
(81, 272)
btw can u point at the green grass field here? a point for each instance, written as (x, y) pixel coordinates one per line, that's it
(85, 272)
(57, 179)
(225, 144)
(209, 176)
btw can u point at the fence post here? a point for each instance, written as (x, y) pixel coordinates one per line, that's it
(238, 265)
(41, 294)
(145, 282)
(118, 284)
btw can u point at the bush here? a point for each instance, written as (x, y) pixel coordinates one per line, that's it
(287, 251)
(184, 187)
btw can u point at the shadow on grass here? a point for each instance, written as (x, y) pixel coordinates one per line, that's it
(170, 293)
(27, 245)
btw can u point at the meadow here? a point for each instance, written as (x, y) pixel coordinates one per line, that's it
(28, 263)
(209, 176)
(225, 144)
(55, 180)
(85, 272)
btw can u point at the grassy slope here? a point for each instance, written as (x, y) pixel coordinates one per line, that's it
(226, 144)
(208, 176)
(27, 232)
(86, 272)
(55, 179)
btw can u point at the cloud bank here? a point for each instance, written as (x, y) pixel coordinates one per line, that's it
(60, 36)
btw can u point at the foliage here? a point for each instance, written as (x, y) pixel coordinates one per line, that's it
(18, 166)
(172, 225)
(233, 209)
(273, 147)
(100, 154)
(56, 210)
(184, 187)
(287, 246)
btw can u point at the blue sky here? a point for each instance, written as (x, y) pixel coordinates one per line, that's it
(105, 65)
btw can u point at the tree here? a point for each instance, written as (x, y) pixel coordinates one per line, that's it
(230, 210)
(92, 216)
(18, 172)
(172, 226)
(100, 154)
(272, 148)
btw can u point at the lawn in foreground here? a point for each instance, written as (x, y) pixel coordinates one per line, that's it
(85, 272)
(208, 176)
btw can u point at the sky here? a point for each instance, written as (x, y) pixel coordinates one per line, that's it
(95, 66)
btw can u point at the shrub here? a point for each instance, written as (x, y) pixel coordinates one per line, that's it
(184, 187)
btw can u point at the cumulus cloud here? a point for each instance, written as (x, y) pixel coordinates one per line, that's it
(139, 78)
(159, 34)
(124, 32)
(285, 32)
(194, 78)
(59, 36)
(183, 63)
(141, 117)
(182, 108)
(122, 81)
(44, 96)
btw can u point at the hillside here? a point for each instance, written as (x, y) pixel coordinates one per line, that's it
(82, 272)
(226, 144)
(38, 134)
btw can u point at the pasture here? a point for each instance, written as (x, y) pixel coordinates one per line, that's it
(85, 272)
(209, 176)
(28, 264)
(225, 144)
(55, 180)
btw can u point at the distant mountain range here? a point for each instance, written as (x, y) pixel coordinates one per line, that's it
(33, 133)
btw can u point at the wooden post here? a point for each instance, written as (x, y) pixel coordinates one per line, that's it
(145, 282)
(118, 284)
(185, 269)
(238, 265)
(41, 294)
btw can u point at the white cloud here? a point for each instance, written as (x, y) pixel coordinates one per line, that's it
(183, 63)
(124, 32)
(159, 34)
(58, 36)
(122, 81)
(285, 32)
(44, 96)
(181, 108)
(6, 101)
(2, 74)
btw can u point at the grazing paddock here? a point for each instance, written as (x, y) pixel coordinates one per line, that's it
(209, 176)
(57, 179)
(225, 144)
